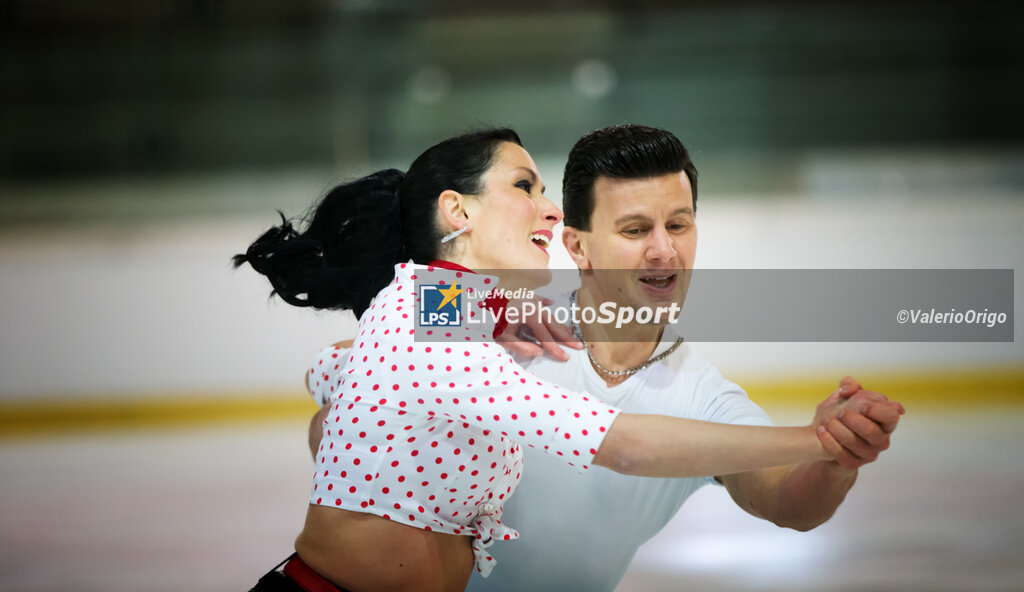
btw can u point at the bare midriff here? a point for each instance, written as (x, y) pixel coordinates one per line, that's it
(364, 552)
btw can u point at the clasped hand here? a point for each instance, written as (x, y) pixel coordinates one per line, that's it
(854, 425)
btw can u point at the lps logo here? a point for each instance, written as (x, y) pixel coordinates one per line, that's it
(440, 305)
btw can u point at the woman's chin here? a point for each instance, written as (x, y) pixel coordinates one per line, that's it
(526, 270)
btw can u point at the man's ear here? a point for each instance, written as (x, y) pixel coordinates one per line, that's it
(575, 242)
(452, 206)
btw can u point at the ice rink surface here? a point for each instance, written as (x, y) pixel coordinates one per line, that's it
(160, 510)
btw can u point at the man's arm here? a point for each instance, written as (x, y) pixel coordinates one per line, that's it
(804, 496)
(800, 497)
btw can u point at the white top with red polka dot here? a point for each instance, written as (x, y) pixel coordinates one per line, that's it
(428, 433)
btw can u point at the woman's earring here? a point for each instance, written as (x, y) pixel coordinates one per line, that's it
(451, 235)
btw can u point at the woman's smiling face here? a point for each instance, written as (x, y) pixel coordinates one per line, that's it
(512, 221)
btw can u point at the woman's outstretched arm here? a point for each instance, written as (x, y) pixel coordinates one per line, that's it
(663, 446)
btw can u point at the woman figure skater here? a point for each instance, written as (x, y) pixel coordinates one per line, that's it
(421, 445)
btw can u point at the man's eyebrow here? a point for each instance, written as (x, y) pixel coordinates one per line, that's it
(643, 218)
(631, 218)
(533, 177)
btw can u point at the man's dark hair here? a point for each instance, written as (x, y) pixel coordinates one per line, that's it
(619, 152)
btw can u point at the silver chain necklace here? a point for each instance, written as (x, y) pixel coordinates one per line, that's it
(628, 371)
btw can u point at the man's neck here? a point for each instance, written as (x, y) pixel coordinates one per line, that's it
(616, 349)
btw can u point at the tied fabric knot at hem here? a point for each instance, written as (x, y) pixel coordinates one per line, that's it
(489, 528)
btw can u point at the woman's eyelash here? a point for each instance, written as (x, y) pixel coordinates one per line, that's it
(525, 186)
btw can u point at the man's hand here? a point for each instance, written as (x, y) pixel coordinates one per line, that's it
(316, 429)
(531, 337)
(854, 425)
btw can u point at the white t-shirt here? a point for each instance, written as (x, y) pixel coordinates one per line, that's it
(581, 531)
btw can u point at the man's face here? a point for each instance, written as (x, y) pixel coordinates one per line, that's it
(644, 225)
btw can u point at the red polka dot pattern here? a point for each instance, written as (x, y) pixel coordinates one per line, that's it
(429, 433)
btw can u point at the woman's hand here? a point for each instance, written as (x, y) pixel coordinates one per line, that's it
(532, 336)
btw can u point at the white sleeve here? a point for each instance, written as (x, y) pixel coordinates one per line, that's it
(324, 372)
(725, 402)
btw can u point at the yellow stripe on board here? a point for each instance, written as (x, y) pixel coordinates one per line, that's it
(989, 387)
(921, 390)
(51, 414)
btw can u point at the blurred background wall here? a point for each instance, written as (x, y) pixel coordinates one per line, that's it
(143, 144)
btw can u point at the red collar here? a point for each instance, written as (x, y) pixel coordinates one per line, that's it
(495, 303)
(449, 265)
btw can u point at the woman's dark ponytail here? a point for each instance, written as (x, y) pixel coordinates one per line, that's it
(354, 237)
(345, 254)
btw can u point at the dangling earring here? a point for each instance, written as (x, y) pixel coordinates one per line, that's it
(451, 235)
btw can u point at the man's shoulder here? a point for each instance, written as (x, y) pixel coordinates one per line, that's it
(684, 382)
(686, 366)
